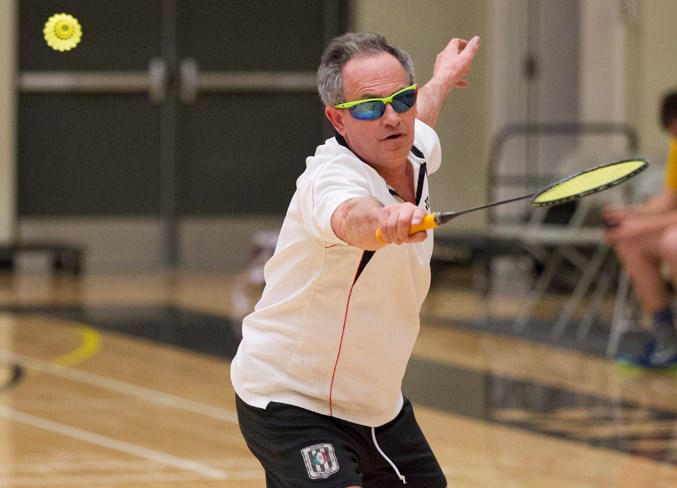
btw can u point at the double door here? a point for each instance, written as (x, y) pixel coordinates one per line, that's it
(170, 108)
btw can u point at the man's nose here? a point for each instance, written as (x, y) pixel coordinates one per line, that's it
(390, 116)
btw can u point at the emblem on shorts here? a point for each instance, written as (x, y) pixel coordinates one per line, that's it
(320, 460)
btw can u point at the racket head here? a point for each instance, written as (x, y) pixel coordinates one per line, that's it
(587, 182)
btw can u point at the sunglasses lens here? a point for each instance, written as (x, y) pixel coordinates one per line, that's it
(404, 101)
(368, 110)
(374, 109)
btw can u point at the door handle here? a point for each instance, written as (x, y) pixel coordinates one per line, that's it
(189, 77)
(157, 80)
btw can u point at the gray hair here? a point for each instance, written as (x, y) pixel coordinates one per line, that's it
(346, 47)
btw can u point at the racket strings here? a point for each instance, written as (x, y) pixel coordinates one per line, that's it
(591, 181)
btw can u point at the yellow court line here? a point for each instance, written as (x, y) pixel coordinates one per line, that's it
(90, 343)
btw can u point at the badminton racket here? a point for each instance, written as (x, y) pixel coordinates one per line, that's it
(570, 188)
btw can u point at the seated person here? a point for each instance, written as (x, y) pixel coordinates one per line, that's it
(644, 237)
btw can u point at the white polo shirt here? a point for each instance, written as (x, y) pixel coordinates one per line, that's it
(326, 336)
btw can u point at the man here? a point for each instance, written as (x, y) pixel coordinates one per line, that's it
(318, 373)
(644, 237)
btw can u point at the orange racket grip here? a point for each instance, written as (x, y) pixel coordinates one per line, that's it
(427, 223)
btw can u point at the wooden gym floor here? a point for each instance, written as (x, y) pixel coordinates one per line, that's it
(123, 381)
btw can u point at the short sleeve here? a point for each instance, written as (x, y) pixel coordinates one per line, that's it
(335, 182)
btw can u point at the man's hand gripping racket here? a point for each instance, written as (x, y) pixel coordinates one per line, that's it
(565, 190)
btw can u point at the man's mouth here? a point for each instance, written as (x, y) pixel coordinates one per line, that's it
(393, 137)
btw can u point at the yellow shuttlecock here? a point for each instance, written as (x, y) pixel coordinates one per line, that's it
(62, 32)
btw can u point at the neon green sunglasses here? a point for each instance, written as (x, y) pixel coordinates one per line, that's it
(374, 108)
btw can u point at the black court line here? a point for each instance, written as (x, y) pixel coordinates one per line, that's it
(609, 424)
(539, 330)
(186, 329)
(527, 405)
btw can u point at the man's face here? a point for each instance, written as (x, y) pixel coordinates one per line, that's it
(384, 143)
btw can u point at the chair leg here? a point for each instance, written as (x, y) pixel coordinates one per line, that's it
(610, 271)
(618, 321)
(582, 288)
(550, 269)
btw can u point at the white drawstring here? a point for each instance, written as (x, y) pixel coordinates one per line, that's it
(378, 448)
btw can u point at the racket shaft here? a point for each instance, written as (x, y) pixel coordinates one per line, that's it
(575, 186)
(436, 219)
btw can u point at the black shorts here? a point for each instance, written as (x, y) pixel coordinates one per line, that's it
(300, 449)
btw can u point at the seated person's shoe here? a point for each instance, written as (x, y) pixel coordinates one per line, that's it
(652, 356)
(664, 357)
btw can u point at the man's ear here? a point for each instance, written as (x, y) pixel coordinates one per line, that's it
(335, 116)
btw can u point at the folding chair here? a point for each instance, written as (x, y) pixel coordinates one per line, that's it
(575, 244)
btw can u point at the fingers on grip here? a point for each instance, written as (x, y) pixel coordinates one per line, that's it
(427, 223)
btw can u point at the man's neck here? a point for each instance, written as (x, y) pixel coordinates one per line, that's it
(397, 177)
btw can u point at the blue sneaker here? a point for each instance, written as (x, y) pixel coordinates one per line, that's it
(664, 357)
(652, 357)
(640, 359)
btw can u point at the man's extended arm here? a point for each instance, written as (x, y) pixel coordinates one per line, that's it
(355, 221)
